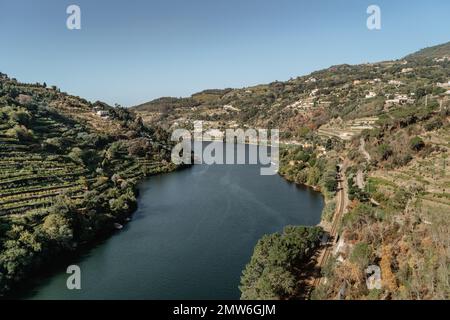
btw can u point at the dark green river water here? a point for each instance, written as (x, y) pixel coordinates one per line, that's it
(193, 233)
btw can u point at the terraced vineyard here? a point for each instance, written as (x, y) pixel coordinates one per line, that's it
(68, 171)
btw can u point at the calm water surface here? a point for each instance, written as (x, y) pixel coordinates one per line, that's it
(193, 233)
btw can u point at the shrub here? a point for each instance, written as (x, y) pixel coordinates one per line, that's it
(21, 117)
(433, 124)
(385, 151)
(76, 154)
(21, 132)
(361, 254)
(416, 144)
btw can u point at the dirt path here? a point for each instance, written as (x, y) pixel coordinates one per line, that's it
(360, 175)
(360, 179)
(362, 149)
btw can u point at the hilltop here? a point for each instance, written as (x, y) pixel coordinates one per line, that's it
(434, 52)
(351, 94)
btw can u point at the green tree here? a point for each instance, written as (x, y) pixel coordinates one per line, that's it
(271, 272)
(113, 151)
(57, 228)
(313, 176)
(76, 154)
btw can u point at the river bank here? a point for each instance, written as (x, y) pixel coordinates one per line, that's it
(52, 258)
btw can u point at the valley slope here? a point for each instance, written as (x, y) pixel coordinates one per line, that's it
(68, 171)
(389, 123)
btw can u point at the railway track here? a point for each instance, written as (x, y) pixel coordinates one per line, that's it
(323, 258)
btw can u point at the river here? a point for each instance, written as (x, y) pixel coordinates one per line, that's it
(191, 236)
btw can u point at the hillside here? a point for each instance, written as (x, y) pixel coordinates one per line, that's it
(387, 124)
(435, 52)
(68, 171)
(351, 94)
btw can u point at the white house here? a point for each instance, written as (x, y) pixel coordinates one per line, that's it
(229, 107)
(395, 82)
(103, 113)
(407, 70)
(442, 59)
(444, 85)
(400, 99)
(371, 94)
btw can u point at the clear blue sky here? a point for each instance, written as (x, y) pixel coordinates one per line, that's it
(133, 51)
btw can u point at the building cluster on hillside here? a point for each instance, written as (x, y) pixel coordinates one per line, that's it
(399, 99)
(302, 105)
(442, 59)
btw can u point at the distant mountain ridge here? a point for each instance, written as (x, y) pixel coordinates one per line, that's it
(167, 103)
(346, 91)
(432, 52)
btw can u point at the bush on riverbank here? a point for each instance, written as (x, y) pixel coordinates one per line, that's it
(304, 166)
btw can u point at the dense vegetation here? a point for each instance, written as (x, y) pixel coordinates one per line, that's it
(277, 261)
(67, 172)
